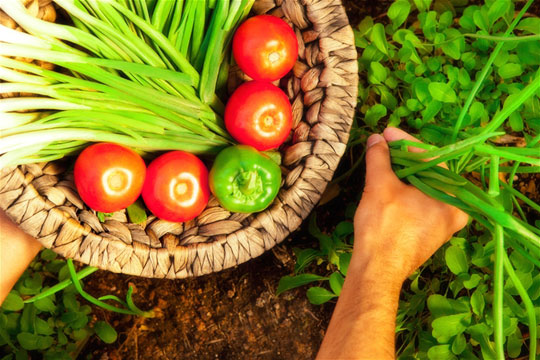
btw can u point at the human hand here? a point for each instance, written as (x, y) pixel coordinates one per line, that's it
(397, 227)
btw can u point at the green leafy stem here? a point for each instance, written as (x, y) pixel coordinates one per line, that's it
(487, 37)
(128, 306)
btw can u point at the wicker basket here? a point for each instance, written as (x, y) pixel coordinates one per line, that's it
(42, 198)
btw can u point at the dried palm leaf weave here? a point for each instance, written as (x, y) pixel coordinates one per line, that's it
(42, 198)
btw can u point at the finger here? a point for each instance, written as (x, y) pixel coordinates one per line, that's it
(394, 134)
(459, 219)
(378, 166)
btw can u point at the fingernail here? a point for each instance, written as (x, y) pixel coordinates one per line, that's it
(373, 139)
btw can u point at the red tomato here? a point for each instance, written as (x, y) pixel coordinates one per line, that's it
(109, 177)
(265, 47)
(259, 114)
(176, 186)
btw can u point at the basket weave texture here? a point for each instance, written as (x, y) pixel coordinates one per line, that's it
(42, 199)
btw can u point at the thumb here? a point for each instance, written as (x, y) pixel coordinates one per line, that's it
(378, 167)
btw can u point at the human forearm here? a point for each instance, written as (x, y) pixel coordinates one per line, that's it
(17, 250)
(363, 323)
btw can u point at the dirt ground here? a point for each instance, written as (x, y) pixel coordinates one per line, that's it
(233, 314)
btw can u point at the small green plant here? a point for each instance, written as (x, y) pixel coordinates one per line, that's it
(40, 318)
(333, 255)
(421, 70)
(445, 308)
(56, 326)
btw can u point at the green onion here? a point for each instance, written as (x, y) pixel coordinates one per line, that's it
(498, 283)
(494, 176)
(120, 77)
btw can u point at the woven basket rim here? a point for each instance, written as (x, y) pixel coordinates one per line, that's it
(41, 198)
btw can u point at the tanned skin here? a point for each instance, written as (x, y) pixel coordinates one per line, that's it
(397, 228)
(17, 250)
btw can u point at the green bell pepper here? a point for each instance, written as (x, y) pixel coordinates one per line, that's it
(244, 180)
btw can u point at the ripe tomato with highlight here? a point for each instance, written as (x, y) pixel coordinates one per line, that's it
(109, 177)
(265, 47)
(259, 114)
(176, 187)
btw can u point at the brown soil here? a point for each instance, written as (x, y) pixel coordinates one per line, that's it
(233, 314)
